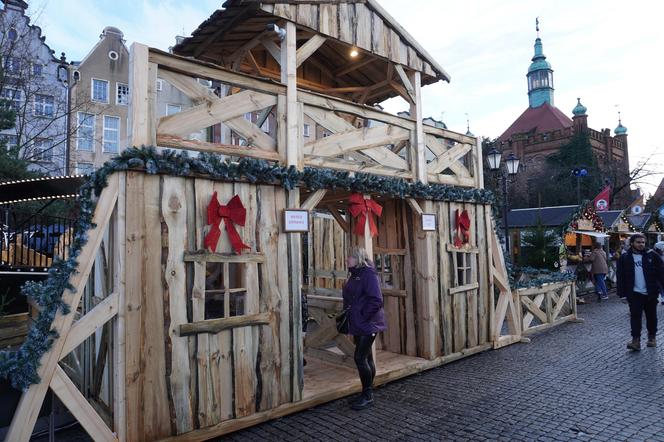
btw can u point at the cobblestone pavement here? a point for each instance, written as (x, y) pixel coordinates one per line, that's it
(574, 382)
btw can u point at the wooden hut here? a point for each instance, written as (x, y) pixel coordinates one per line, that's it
(206, 340)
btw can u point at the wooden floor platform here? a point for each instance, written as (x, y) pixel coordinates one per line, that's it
(325, 382)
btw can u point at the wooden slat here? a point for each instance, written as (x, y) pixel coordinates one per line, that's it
(363, 26)
(359, 139)
(174, 210)
(206, 256)
(354, 166)
(68, 393)
(307, 50)
(327, 21)
(188, 86)
(216, 325)
(313, 200)
(92, 320)
(219, 110)
(449, 159)
(31, 400)
(224, 149)
(141, 129)
(346, 19)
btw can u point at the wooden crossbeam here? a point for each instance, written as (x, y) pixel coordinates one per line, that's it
(338, 218)
(68, 393)
(307, 50)
(252, 133)
(448, 159)
(313, 200)
(219, 110)
(272, 49)
(528, 317)
(241, 52)
(92, 320)
(354, 166)
(359, 139)
(533, 306)
(225, 149)
(31, 401)
(560, 303)
(188, 86)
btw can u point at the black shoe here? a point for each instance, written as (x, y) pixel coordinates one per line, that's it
(362, 403)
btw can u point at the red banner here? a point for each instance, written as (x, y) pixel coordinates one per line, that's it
(601, 201)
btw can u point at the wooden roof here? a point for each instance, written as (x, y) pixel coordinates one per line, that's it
(360, 24)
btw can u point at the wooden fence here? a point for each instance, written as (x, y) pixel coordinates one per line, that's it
(547, 306)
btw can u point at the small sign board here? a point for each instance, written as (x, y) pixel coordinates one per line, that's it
(296, 220)
(428, 222)
(585, 224)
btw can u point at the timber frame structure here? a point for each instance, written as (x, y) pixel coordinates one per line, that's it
(174, 369)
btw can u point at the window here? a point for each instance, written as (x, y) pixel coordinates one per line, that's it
(113, 55)
(12, 65)
(111, 134)
(84, 168)
(247, 116)
(462, 262)
(86, 131)
(37, 70)
(100, 90)
(266, 125)
(12, 34)
(122, 94)
(42, 149)
(13, 96)
(224, 294)
(44, 105)
(173, 109)
(10, 141)
(160, 84)
(306, 131)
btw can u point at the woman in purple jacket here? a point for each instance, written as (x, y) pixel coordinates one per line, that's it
(364, 301)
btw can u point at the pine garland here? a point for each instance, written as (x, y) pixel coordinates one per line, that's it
(21, 366)
(536, 277)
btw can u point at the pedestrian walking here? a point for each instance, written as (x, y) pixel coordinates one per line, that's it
(640, 278)
(598, 270)
(363, 301)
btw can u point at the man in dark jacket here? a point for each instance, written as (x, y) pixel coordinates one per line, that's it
(640, 276)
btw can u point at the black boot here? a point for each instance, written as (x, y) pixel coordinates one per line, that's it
(365, 400)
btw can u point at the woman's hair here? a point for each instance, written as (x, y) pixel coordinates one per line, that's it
(361, 256)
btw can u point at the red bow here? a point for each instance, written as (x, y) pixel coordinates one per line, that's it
(232, 213)
(360, 208)
(463, 228)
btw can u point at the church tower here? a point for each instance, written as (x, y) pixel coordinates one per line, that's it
(540, 76)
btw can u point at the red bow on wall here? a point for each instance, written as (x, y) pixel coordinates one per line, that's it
(360, 208)
(232, 213)
(462, 228)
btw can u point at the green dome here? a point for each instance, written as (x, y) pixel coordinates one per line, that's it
(620, 130)
(579, 109)
(539, 59)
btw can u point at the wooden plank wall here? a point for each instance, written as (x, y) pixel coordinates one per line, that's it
(176, 384)
(328, 252)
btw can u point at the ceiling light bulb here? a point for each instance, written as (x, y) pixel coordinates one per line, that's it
(354, 53)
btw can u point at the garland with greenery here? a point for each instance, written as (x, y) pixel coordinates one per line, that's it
(527, 277)
(21, 366)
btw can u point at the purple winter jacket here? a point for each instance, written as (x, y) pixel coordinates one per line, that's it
(362, 294)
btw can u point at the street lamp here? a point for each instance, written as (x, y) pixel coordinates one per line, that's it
(510, 170)
(579, 172)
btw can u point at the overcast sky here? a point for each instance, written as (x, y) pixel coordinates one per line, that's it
(606, 52)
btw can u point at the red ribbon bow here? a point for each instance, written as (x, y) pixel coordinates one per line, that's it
(360, 208)
(462, 228)
(232, 213)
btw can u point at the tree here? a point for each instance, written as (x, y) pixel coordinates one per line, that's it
(538, 247)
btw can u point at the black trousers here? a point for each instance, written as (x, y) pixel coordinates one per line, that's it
(364, 361)
(637, 305)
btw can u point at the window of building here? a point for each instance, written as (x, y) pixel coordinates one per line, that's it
(44, 105)
(12, 97)
(12, 65)
(173, 109)
(37, 70)
(42, 149)
(306, 131)
(111, 134)
(266, 125)
(84, 168)
(160, 84)
(99, 90)
(224, 294)
(247, 116)
(122, 94)
(86, 131)
(10, 141)
(12, 34)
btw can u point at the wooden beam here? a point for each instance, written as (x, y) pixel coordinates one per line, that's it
(448, 158)
(221, 30)
(313, 200)
(354, 66)
(68, 393)
(92, 320)
(240, 53)
(405, 81)
(218, 110)
(206, 256)
(140, 116)
(354, 166)
(31, 401)
(119, 342)
(217, 325)
(272, 49)
(412, 202)
(308, 49)
(289, 78)
(338, 218)
(419, 159)
(225, 149)
(358, 139)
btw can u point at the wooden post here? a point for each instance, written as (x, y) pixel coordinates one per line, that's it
(119, 240)
(293, 154)
(419, 163)
(478, 171)
(142, 84)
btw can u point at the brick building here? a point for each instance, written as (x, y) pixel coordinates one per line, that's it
(542, 129)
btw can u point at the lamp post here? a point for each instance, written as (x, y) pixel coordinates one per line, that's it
(511, 169)
(579, 172)
(64, 78)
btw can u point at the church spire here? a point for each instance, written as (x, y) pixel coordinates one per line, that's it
(540, 75)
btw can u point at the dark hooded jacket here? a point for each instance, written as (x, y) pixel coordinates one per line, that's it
(362, 294)
(653, 271)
